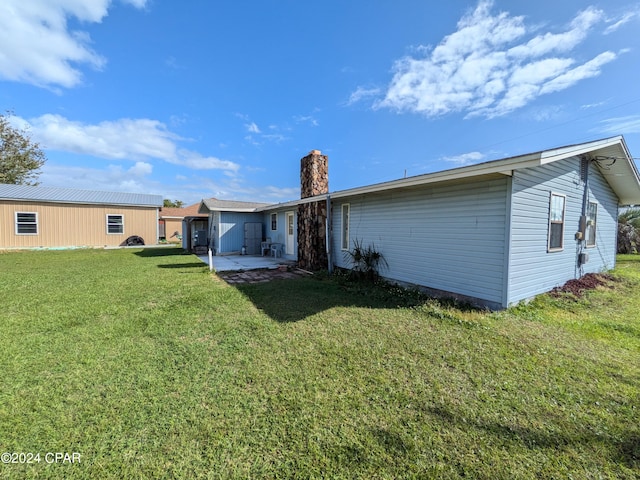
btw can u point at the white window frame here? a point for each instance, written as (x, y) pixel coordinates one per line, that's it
(344, 228)
(593, 226)
(555, 222)
(274, 222)
(19, 224)
(121, 223)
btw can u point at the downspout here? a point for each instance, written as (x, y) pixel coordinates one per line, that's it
(328, 236)
(212, 232)
(158, 225)
(211, 250)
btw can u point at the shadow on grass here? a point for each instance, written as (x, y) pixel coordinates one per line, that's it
(625, 450)
(184, 265)
(161, 252)
(296, 299)
(172, 252)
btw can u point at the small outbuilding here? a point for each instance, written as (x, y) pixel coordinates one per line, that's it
(47, 217)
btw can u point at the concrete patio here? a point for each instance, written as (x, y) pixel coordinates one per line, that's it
(227, 263)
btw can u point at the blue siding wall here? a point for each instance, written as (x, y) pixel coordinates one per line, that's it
(449, 237)
(280, 234)
(231, 230)
(533, 270)
(603, 255)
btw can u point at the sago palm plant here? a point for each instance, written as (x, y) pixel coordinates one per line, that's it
(629, 231)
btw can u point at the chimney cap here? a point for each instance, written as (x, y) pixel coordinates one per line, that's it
(315, 152)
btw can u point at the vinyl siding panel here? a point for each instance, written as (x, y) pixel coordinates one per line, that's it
(533, 269)
(69, 225)
(448, 237)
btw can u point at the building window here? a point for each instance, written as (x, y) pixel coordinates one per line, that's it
(26, 223)
(274, 221)
(115, 224)
(345, 226)
(556, 222)
(590, 231)
(290, 224)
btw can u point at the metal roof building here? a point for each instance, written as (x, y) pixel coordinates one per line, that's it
(48, 217)
(69, 195)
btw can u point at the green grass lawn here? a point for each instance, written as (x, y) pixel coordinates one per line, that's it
(148, 366)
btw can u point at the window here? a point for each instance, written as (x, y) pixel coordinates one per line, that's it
(274, 221)
(556, 222)
(590, 231)
(345, 226)
(26, 223)
(115, 224)
(290, 224)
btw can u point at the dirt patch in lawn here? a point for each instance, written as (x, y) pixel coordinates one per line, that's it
(577, 287)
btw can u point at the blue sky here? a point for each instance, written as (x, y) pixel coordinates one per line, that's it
(199, 98)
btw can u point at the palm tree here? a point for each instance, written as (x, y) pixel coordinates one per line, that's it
(629, 231)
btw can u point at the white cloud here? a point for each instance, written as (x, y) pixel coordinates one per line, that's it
(309, 119)
(257, 137)
(140, 169)
(621, 125)
(362, 93)
(589, 69)
(252, 127)
(465, 158)
(123, 139)
(37, 46)
(625, 18)
(112, 178)
(492, 65)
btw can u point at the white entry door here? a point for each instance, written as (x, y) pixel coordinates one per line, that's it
(290, 231)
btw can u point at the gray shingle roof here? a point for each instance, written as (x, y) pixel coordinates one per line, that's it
(67, 195)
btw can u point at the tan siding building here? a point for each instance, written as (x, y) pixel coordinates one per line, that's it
(33, 217)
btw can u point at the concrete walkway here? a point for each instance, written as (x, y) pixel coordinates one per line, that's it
(227, 263)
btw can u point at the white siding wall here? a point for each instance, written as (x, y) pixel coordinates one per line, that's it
(449, 237)
(533, 270)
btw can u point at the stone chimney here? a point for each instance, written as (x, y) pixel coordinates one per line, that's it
(314, 174)
(312, 216)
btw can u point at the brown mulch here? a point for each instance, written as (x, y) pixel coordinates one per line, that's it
(577, 287)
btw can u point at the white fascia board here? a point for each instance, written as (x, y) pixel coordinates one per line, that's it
(549, 156)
